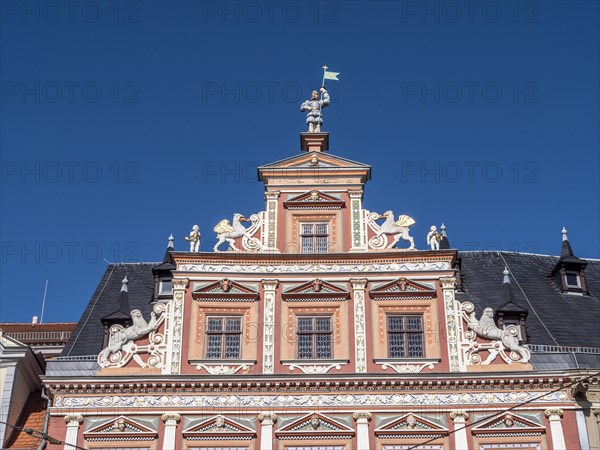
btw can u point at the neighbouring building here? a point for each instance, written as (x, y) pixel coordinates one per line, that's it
(310, 328)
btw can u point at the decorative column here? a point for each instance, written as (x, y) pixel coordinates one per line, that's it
(73, 421)
(266, 432)
(170, 420)
(362, 429)
(359, 241)
(174, 326)
(554, 416)
(360, 328)
(459, 417)
(453, 323)
(269, 287)
(270, 222)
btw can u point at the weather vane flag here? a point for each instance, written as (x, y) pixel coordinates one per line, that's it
(315, 105)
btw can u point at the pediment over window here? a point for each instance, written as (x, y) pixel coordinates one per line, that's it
(410, 425)
(217, 427)
(510, 423)
(121, 428)
(314, 200)
(315, 290)
(402, 288)
(315, 425)
(225, 290)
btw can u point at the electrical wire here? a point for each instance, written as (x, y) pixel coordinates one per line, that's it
(41, 435)
(506, 410)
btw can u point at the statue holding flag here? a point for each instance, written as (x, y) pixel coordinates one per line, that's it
(314, 106)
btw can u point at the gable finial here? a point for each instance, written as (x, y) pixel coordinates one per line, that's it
(564, 234)
(506, 277)
(171, 241)
(443, 230)
(124, 284)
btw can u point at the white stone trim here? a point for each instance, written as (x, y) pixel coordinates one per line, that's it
(73, 422)
(174, 326)
(170, 420)
(360, 327)
(556, 431)
(269, 287)
(453, 325)
(362, 430)
(355, 268)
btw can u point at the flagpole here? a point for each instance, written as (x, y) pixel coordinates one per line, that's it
(321, 98)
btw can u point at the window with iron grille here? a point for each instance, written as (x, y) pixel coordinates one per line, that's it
(314, 237)
(314, 337)
(405, 336)
(223, 337)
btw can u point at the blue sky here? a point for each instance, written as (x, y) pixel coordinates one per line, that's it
(123, 122)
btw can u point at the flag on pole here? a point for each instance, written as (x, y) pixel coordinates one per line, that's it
(331, 76)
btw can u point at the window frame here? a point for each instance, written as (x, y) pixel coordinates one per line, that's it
(313, 236)
(405, 333)
(222, 333)
(314, 333)
(577, 278)
(162, 281)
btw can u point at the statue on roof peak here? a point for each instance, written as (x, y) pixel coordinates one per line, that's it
(314, 106)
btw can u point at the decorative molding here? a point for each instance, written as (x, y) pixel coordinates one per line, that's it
(222, 369)
(316, 267)
(459, 416)
(269, 287)
(174, 326)
(267, 418)
(360, 327)
(270, 228)
(554, 413)
(402, 367)
(453, 330)
(361, 416)
(73, 420)
(313, 368)
(307, 400)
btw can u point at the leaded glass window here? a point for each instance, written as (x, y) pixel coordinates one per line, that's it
(314, 237)
(405, 336)
(223, 337)
(314, 337)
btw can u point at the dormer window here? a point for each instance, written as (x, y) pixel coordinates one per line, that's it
(572, 279)
(166, 286)
(314, 237)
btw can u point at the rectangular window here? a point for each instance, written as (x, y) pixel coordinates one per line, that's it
(223, 337)
(314, 337)
(166, 286)
(314, 237)
(405, 336)
(572, 279)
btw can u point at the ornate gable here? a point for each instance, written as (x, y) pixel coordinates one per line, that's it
(121, 429)
(315, 426)
(225, 290)
(410, 425)
(217, 427)
(314, 200)
(402, 288)
(510, 424)
(316, 290)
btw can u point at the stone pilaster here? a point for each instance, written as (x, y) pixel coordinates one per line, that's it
(170, 420)
(460, 417)
(359, 239)
(73, 422)
(453, 323)
(270, 222)
(267, 420)
(174, 326)
(360, 327)
(269, 287)
(362, 429)
(554, 416)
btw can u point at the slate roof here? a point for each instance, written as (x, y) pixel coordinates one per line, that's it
(554, 318)
(87, 338)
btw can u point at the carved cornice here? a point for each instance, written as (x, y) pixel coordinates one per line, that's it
(358, 283)
(173, 417)
(180, 283)
(270, 285)
(448, 282)
(459, 416)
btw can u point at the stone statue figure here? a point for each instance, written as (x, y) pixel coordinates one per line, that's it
(397, 228)
(314, 118)
(230, 231)
(120, 337)
(194, 239)
(486, 328)
(434, 238)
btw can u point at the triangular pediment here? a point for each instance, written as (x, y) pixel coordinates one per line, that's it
(225, 289)
(316, 425)
(402, 287)
(316, 289)
(121, 428)
(508, 422)
(314, 160)
(218, 426)
(410, 424)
